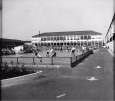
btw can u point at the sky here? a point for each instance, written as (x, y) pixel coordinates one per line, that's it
(22, 19)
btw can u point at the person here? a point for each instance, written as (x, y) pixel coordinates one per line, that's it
(67, 48)
(83, 49)
(21, 51)
(73, 50)
(48, 52)
(61, 48)
(54, 53)
(51, 50)
(36, 53)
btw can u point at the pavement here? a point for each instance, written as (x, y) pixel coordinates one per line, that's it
(111, 52)
(92, 79)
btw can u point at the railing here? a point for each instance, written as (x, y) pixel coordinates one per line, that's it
(71, 61)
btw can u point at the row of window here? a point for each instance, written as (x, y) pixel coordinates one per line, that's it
(56, 38)
(64, 38)
(78, 43)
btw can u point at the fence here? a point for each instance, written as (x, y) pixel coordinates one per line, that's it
(71, 61)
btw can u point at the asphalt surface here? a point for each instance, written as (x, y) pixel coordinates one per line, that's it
(84, 82)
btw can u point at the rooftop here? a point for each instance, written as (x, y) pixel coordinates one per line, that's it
(68, 33)
(10, 40)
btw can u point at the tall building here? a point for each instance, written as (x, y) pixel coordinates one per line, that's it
(68, 38)
(110, 36)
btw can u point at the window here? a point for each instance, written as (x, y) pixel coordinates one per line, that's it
(85, 37)
(71, 37)
(55, 37)
(51, 37)
(67, 37)
(58, 38)
(81, 37)
(44, 39)
(48, 38)
(89, 36)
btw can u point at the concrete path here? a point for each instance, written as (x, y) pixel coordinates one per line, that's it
(90, 80)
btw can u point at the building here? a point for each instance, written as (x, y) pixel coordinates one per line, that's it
(80, 38)
(110, 36)
(10, 43)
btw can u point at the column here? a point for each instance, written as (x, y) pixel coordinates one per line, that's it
(87, 40)
(83, 40)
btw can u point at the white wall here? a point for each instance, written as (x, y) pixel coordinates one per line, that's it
(17, 49)
(111, 45)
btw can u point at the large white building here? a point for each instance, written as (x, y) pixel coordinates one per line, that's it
(68, 38)
(110, 36)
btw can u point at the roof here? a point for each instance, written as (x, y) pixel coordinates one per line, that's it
(112, 22)
(67, 33)
(10, 40)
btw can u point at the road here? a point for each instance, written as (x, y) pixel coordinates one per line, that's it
(92, 79)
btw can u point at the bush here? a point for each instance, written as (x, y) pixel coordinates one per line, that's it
(13, 71)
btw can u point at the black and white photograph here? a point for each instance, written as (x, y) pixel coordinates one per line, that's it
(57, 50)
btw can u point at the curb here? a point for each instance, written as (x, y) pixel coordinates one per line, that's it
(20, 79)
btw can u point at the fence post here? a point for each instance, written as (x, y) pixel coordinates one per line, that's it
(52, 60)
(40, 59)
(33, 61)
(17, 61)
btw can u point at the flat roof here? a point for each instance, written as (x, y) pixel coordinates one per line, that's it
(68, 33)
(10, 40)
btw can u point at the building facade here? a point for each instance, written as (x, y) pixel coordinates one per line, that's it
(68, 38)
(110, 36)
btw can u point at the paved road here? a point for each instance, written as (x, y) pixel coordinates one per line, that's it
(84, 82)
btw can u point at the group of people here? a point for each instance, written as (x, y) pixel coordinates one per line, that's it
(49, 52)
(37, 54)
(52, 52)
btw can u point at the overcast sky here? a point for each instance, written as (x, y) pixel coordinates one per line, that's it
(24, 18)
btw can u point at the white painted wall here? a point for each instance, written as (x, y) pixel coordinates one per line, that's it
(111, 45)
(17, 49)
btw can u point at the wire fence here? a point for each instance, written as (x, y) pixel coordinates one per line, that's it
(71, 61)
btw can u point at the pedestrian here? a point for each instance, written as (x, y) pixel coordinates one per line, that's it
(67, 48)
(48, 51)
(21, 51)
(73, 50)
(83, 49)
(54, 54)
(61, 48)
(36, 53)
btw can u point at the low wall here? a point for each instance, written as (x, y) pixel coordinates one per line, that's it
(80, 58)
(19, 79)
